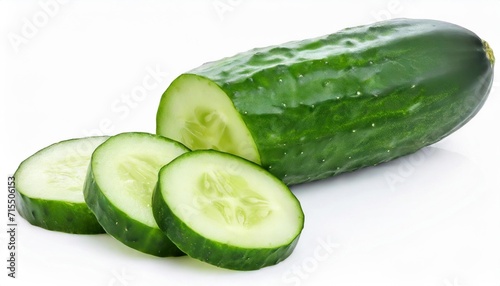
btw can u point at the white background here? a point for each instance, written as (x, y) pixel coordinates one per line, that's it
(72, 69)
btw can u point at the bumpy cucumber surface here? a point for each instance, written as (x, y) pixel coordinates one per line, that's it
(49, 187)
(119, 185)
(226, 211)
(310, 109)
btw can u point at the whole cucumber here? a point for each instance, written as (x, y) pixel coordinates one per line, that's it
(311, 109)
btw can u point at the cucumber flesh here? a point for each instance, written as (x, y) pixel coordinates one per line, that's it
(227, 211)
(49, 187)
(206, 119)
(120, 181)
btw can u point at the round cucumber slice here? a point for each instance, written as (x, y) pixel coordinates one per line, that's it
(226, 211)
(196, 112)
(49, 187)
(120, 181)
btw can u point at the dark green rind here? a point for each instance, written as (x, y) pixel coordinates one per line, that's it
(58, 215)
(310, 105)
(124, 228)
(213, 252)
(210, 251)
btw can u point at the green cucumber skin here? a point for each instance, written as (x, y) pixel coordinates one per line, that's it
(61, 216)
(356, 98)
(114, 221)
(212, 252)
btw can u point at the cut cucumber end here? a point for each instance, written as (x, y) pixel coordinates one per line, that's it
(489, 52)
(227, 211)
(49, 187)
(196, 112)
(120, 182)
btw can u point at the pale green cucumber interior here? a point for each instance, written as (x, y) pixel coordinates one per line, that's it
(126, 168)
(232, 201)
(58, 171)
(196, 112)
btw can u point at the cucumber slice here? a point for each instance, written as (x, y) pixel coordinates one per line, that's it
(49, 187)
(226, 211)
(120, 181)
